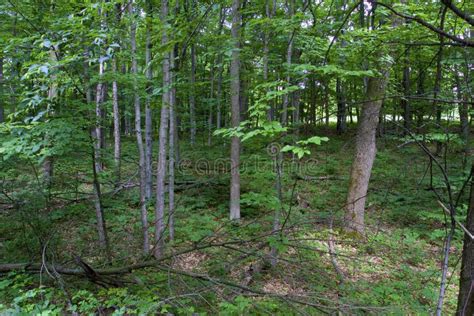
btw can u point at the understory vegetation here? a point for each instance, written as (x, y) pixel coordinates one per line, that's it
(394, 269)
(236, 157)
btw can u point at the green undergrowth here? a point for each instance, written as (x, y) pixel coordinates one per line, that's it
(394, 270)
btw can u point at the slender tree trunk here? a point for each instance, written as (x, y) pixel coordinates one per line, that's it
(148, 111)
(219, 93)
(2, 91)
(48, 167)
(192, 96)
(138, 132)
(438, 78)
(420, 90)
(99, 212)
(365, 150)
(235, 114)
(172, 131)
(163, 139)
(211, 103)
(463, 113)
(266, 50)
(341, 126)
(116, 113)
(406, 91)
(466, 281)
(100, 93)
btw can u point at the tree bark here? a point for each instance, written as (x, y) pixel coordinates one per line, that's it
(148, 111)
(365, 149)
(138, 133)
(116, 113)
(99, 211)
(235, 114)
(2, 91)
(437, 83)
(341, 126)
(171, 154)
(192, 96)
(289, 55)
(406, 92)
(466, 281)
(163, 139)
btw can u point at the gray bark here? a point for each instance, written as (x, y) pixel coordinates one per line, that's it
(148, 111)
(172, 131)
(406, 91)
(116, 113)
(219, 93)
(100, 93)
(138, 133)
(192, 96)
(235, 113)
(163, 139)
(48, 166)
(99, 212)
(365, 149)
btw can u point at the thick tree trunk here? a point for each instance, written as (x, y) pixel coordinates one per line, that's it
(148, 112)
(466, 280)
(192, 96)
(138, 132)
(163, 142)
(365, 149)
(235, 114)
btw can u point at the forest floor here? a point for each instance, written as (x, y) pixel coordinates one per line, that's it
(216, 267)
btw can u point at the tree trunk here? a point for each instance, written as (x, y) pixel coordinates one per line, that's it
(163, 139)
(138, 132)
(192, 96)
(365, 149)
(99, 212)
(116, 113)
(148, 112)
(438, 78)
(100, 94)
(235, 114)
(266, 50)
(341, 107)
(463, 115)
(466, 280)
(48, 166)
(211, 103)
(172, 131)
(2, 91)
(219, 93)
(406, 92)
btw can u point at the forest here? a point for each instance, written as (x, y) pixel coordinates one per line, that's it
(236, 157)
